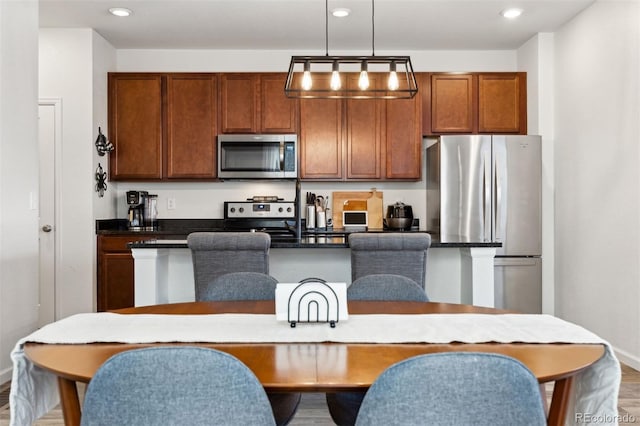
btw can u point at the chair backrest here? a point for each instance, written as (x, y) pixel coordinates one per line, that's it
(241, 286)
(386, 287)
(454, 388)
(390, 253)
(218, 253)
(175, 386)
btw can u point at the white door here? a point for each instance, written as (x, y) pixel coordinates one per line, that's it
(48, 128)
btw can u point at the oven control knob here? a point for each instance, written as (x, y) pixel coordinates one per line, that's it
(280, 209)
(288, 209)
(241, 209)
(232, 210)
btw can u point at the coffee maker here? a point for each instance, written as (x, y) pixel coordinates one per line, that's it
(135, 215)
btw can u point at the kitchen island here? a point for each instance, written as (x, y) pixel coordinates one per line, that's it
(164, 269)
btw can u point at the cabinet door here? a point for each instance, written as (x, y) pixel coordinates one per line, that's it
(502, 103)
(135, 126)
(364, 131)
(278, 114)
(403, 138)
(239, 103)
(321, 138)
(453, 104)
(115, 268)
(116, 288)
(191, 126)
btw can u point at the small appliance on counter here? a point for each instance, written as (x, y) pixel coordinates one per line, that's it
(399, 217)
(143, 212)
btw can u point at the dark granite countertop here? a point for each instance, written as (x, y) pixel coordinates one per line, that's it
(172, 233)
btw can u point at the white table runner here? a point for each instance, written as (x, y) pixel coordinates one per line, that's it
(34, 391)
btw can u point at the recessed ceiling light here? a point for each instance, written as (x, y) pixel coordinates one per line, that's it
(511, 13)
(340, 12)
(120, 11)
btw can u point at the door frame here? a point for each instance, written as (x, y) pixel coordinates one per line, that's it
(56, 103)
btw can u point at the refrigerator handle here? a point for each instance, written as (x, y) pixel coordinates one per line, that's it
(498, 206)
(486, 197)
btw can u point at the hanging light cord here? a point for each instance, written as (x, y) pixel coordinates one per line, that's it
(326, 27)
(373, 31)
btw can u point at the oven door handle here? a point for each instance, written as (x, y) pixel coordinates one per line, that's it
(282, 156)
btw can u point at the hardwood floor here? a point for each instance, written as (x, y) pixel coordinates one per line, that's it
(313, 409)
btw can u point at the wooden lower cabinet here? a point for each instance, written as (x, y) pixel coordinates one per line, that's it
(115, 271)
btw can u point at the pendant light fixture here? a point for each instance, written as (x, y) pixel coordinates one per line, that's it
(318, 77)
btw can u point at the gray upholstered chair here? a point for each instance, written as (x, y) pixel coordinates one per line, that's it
(386, 287)
(241, 286)
(390, 253)
(218, 253)
(344, 406)
(175, 386)
(454, 388)
(253, 286)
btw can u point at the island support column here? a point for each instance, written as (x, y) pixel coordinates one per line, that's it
(477, 279)
(151, 276)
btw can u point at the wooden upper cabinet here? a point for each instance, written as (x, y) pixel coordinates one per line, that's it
(453, 107)
(474, 103)
(239, 103)
(364, 133)
(256, 103)
(360, 139)
(278, 114)
(191, 126)
(321, 140)
(502, 103)
(403, 139)
(135, 126)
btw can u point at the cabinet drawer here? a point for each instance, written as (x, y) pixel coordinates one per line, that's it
(119, 243)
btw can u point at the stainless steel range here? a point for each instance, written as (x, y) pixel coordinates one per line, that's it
(269, 214)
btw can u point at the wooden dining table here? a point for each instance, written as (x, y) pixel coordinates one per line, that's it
(311, 367)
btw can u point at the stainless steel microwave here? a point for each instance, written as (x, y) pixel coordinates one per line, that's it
(257, 156)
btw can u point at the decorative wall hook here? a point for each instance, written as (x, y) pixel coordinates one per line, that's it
(101, 179)
(102, 145)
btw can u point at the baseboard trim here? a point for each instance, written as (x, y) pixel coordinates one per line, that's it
(5, 375)
(627, 358)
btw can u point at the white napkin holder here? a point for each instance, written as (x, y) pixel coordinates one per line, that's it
(311, 300)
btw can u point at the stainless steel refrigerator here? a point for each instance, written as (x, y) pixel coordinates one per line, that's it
(487, 188)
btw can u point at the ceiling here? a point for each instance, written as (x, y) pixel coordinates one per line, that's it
(300, 24)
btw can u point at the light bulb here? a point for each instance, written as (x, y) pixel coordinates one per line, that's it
(306, 81)
(363, 81)
(393, 83)
(306, 77)
(335, 78)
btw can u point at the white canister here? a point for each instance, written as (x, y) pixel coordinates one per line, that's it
(321, 219)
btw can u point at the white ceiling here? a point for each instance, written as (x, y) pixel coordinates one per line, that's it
(300, 24)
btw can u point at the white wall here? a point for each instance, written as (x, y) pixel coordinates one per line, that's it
(278, 60)
(18, 175)
(597, 173)
(536, 58)
(103, 61)
(67, 71)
